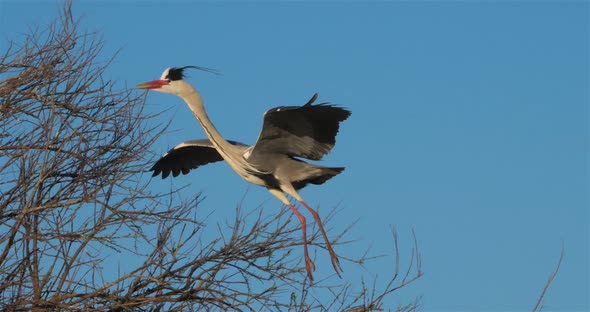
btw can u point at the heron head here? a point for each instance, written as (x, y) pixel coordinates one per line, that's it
(168, 82)
(171, 81)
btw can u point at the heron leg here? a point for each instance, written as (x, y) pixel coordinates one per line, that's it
(335, 262)
(333, 256)
(309, 265)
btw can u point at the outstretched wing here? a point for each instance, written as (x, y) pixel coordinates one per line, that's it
(307, 131)
(188, 155)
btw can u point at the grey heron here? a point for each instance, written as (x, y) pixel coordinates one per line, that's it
(288, 134)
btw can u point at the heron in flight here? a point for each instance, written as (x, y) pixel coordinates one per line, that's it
(288, 134)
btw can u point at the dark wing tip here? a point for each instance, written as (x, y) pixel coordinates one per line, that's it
(342, 112)
(187, 156)
(347, 113)
(313, 98)
(339, 112)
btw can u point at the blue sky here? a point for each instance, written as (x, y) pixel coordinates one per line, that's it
(469, 125)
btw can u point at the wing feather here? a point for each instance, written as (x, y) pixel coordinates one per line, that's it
(188, 155)
(307, 131)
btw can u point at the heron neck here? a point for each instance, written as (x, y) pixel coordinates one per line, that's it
(195, 102)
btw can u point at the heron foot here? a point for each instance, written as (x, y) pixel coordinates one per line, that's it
(309, 267)
(335, 261)
(333, 256)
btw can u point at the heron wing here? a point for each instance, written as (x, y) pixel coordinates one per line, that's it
(188, 155)
(307, 131)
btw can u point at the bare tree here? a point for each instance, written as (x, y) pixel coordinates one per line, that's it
(74, 203)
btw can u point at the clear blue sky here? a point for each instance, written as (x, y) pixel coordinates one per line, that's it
(469, 125)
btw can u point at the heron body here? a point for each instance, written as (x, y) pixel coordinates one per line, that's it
(289, 134)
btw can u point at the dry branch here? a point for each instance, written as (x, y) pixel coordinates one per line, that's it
(75, 205)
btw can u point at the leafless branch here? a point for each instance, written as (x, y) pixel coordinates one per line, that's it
(538, 304)
(80, 230)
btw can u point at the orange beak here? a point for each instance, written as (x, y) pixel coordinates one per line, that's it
(156, 84)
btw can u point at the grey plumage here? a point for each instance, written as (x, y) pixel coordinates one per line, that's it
(188, 155)
(289, 134)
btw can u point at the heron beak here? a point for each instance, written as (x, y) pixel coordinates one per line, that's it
(156, 84)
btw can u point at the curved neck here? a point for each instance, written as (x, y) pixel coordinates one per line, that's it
(231, 154)
(195, 103)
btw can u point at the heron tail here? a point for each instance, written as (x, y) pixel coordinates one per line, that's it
(326, 174)
(322, 175)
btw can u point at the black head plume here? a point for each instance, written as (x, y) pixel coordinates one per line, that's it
(177, 73)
